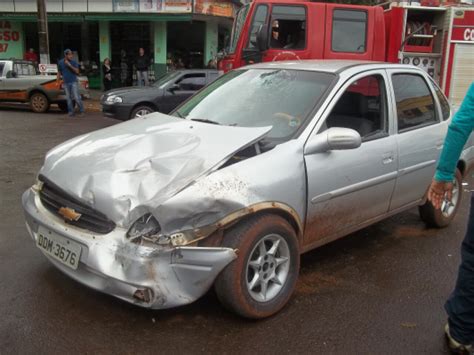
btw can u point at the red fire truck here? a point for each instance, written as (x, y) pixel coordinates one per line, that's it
(439, 39)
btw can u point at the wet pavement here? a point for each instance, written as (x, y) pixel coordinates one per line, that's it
(380, 290)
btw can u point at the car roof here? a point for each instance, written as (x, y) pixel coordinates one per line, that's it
(327, 65)
(196, 70)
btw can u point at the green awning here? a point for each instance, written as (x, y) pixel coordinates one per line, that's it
(32, 17)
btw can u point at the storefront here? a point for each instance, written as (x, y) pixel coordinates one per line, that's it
(174, 33)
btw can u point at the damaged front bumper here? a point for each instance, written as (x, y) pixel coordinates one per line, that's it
(154, 277)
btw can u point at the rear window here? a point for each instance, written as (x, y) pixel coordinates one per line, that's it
(445, 107)
(349, 31)
(24, 69)
(415, 104)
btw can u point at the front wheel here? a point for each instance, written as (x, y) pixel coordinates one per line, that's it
(141, 111)
(263, 277)
(440, 218)
(39, 102)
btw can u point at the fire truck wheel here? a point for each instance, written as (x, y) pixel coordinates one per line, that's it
(39, 102)
(442, 217)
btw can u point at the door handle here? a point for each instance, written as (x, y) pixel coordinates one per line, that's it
(387, 158)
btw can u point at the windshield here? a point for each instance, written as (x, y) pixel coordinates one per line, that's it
(258, 98)
(165, 79)
(237, 29)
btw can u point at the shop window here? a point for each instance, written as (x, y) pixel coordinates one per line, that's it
(415, 105)
(192, 82)
(349, 31)
(258, 20)
(362, 107)
(288, 27)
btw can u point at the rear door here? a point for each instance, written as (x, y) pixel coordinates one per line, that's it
(347, 188)
(420, 135)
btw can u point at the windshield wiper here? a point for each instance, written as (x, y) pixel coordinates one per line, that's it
(205, 120)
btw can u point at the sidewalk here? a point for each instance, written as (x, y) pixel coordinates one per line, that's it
(93, 104)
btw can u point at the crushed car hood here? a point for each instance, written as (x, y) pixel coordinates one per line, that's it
(131, 168)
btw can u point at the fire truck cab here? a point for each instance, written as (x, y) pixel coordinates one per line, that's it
(438, 39)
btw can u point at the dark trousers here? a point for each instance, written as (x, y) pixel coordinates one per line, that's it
(460, 305)
(107, 85)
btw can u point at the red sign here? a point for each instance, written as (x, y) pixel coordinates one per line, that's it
(7, 35)
(465, 34)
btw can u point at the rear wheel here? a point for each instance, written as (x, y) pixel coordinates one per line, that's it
(141, 111)
(440, 218)
(39, 102)
(263, 277)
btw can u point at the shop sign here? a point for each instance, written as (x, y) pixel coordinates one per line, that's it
(48, 68)
(465, 34)
(175, 6)
(222, 8)
(125, 5)
(11, 40)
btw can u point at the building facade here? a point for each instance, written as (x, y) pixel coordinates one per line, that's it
(179, 33)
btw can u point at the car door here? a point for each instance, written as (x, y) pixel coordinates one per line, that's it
(348, 188)
(420, 135)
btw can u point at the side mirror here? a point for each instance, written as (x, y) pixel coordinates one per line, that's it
(173, 88)
(262, 38)
(335, 138)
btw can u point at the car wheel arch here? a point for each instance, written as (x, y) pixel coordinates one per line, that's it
(242, 215)
(145, 103)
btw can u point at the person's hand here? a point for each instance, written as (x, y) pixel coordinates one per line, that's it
(439, 190)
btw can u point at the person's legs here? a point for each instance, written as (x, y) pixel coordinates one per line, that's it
(70, 106)
(460, 305)
(145, 77)
(77, 96)
(139, 78)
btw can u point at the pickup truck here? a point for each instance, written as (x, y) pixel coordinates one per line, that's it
(20, 82)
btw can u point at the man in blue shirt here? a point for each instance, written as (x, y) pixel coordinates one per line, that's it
(460, 305)
(69, 70)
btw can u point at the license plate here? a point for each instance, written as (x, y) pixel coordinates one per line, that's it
(63, 250)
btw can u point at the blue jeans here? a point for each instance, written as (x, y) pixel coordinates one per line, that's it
(460, 305)
(72, 93)
(142, 75)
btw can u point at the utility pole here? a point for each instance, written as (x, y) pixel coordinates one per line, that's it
(43, 32)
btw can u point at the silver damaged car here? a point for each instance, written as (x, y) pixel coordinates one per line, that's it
(264, 164)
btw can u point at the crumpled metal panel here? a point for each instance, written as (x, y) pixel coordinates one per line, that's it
(276, 176)
(131, 168)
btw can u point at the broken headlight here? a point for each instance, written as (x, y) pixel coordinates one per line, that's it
(145, 226)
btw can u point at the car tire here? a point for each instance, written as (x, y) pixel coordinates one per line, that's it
(39, 102)
(141, 110)
(241, 285)
(440, 218)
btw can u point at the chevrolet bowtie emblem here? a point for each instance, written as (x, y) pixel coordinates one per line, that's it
(69, 214)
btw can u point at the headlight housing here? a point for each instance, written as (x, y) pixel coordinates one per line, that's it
(145, 226)
(112, 99)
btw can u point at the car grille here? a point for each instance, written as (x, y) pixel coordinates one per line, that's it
(53, 198)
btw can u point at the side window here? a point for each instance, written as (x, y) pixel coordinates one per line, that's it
(191, 82)
(349, 31)
(2, 65)
(259, 19)
(445, 107)
(415, 105)
(288, 27)
(212, 77)
(363, 108)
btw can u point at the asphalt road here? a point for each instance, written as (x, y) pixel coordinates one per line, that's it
(378, 291)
